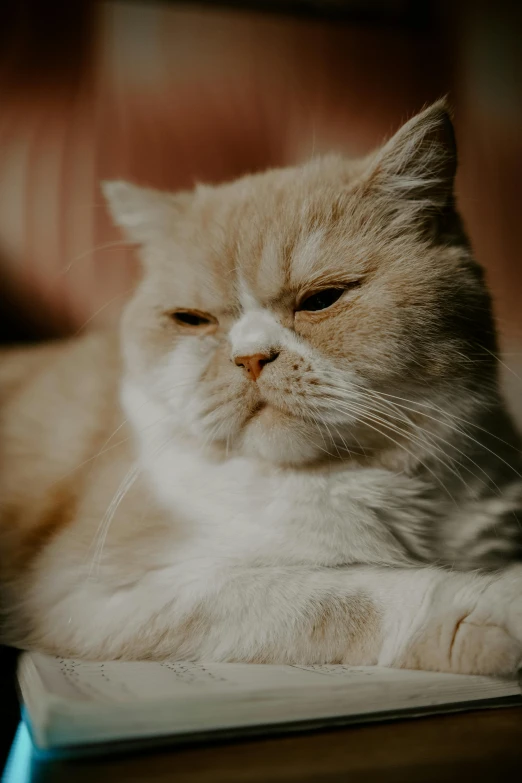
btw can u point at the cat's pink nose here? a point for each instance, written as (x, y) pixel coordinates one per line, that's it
(253, 365)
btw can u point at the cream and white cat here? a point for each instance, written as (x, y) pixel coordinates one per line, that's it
(295, 450)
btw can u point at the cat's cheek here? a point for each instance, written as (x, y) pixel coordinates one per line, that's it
(178, 375)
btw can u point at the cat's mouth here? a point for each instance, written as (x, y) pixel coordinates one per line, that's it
(258, 408)
(272, 409)
(270, 413)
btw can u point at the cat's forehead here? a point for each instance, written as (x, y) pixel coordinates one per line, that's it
(281, 239)
(264, 239)
(285, 262)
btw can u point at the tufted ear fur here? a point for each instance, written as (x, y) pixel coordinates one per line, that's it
(415, 170)
(142, 213)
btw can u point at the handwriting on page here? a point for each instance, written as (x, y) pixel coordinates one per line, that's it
(117, 681)
(128, 681)
(188, 672)
(339, 670)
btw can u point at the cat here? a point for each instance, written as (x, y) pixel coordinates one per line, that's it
(294, 451)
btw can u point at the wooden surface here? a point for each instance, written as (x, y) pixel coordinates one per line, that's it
(479, 746)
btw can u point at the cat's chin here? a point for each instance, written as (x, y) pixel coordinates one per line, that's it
(276, 436)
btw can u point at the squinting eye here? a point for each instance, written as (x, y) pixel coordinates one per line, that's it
(193, 318)
(322, 299)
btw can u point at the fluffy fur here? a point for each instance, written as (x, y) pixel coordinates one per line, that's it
(355, 502)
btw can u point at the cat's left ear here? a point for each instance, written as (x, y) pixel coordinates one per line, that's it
(144, 214)
(419, 163)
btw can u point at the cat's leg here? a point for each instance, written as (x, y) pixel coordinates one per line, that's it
(414, 618)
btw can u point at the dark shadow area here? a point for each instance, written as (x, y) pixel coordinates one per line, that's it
(9, 710)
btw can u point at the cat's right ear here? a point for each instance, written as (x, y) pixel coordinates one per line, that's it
(415, 170)
(144, 214)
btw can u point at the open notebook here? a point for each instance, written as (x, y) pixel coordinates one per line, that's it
(76, 706)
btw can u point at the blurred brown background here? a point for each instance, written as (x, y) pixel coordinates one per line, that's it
(170, 93)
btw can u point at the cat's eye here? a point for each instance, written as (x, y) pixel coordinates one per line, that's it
(194, 319)
(323, 299)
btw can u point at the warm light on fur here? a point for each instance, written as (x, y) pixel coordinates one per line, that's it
(238, 477)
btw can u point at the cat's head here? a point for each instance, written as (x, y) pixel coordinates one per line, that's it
(299, 313)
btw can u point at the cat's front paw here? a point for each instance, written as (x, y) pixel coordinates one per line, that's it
(474, 627)
(501, 602)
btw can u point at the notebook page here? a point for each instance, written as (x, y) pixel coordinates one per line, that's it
(72, 703)
(117, 681)
(129, 681)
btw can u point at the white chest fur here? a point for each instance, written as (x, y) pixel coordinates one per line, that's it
(244, 510)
